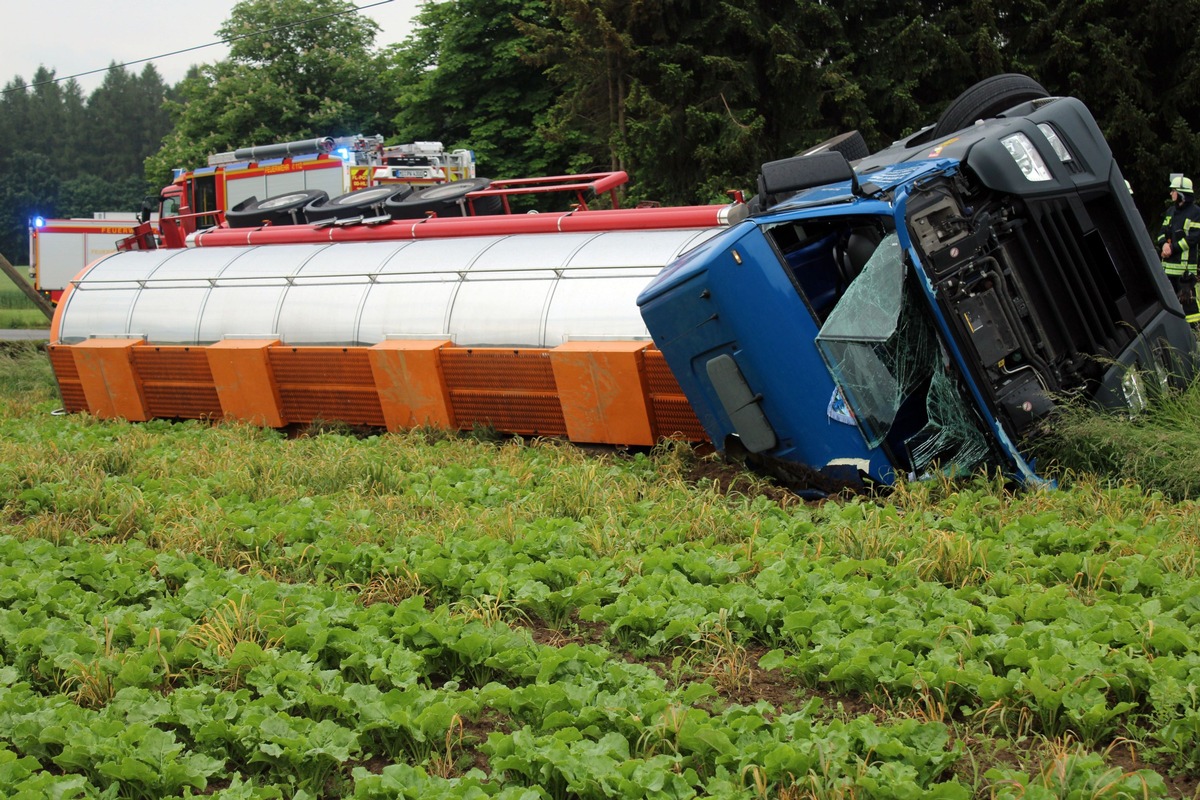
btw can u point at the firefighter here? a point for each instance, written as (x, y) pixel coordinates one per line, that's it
(1179, 243)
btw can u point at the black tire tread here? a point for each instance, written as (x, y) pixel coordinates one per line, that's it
(250, 213)
(987, 98)
(851, 144)
(357, 203)
(443, 200)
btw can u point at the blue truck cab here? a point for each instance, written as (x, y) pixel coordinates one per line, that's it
(921, 309)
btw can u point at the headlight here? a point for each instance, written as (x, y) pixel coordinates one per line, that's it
(1060, 149)
(1131, 386)
(1026, 156)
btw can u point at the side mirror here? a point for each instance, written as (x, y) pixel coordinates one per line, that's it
(148, 205)
(790, 175)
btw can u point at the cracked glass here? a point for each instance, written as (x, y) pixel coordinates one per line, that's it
(882, 351)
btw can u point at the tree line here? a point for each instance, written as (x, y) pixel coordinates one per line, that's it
(688, 96)
(63, 154)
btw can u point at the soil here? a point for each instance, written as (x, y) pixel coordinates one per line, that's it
(796, 484)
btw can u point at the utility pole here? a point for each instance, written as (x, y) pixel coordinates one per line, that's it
(42, 303)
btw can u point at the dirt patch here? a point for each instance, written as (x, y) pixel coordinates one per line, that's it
(1126, 758)
(779, 690)
(784, 484)
(373, 765)
(475, 732)
(578, 632)
(728, 478)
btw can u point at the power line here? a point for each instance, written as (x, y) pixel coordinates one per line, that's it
(352, 10)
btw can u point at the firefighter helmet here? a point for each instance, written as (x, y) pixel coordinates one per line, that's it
(1181, 184)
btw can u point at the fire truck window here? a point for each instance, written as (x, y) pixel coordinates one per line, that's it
(205, 199)
(170, 207)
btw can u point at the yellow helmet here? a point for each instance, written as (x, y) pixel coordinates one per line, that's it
(1181, 184)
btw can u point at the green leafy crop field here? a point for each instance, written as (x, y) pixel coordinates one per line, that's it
(190, 609)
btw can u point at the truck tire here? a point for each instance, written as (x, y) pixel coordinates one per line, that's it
(282, 209)
(369, 202)
(446, 200)
(987, 99)
(850, 144)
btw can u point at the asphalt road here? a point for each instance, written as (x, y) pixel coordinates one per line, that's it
(24, 335)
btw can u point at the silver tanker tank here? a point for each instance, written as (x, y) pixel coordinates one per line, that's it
(517, 290)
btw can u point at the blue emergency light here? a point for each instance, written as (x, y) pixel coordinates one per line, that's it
(39, 221)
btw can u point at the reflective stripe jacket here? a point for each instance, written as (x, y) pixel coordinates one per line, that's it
(1181, 225)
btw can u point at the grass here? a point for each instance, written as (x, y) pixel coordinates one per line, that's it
(26, 377)
(16, 310)
(416, 521)
(1157, 448)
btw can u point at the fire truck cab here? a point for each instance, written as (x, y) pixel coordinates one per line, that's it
(313, 168)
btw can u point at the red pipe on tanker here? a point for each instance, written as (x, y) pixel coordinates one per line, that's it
(631, 219)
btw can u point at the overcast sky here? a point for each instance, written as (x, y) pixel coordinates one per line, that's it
(76, 36)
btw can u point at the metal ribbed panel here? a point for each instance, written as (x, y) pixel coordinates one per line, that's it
(519, 370)
(69, 386)
(176, 382)
(522, 413)
(659, 379)
(326, 383)
(510, 390)
(184, 364)
(672, 414)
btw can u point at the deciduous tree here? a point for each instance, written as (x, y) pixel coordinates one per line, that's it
(464, 80)
(296, 68)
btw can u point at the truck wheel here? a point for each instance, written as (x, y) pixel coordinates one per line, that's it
(369, 202)
(850, 144)
(446, 200)
(282, 209)
(987, 99)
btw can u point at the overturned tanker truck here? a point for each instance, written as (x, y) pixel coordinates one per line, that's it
(865, 315)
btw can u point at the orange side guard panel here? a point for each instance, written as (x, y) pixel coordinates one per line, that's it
(412, 389)
(614, 392)
(244, 382)
(602, 391)
(110, 385)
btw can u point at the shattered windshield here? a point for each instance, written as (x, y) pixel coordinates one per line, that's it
(881, 349)
(877, 348)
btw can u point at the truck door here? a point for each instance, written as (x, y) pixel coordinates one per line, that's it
(204, 199)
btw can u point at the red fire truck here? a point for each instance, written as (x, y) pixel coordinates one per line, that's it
(201, 198)
(60, 248)
(231, 185)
